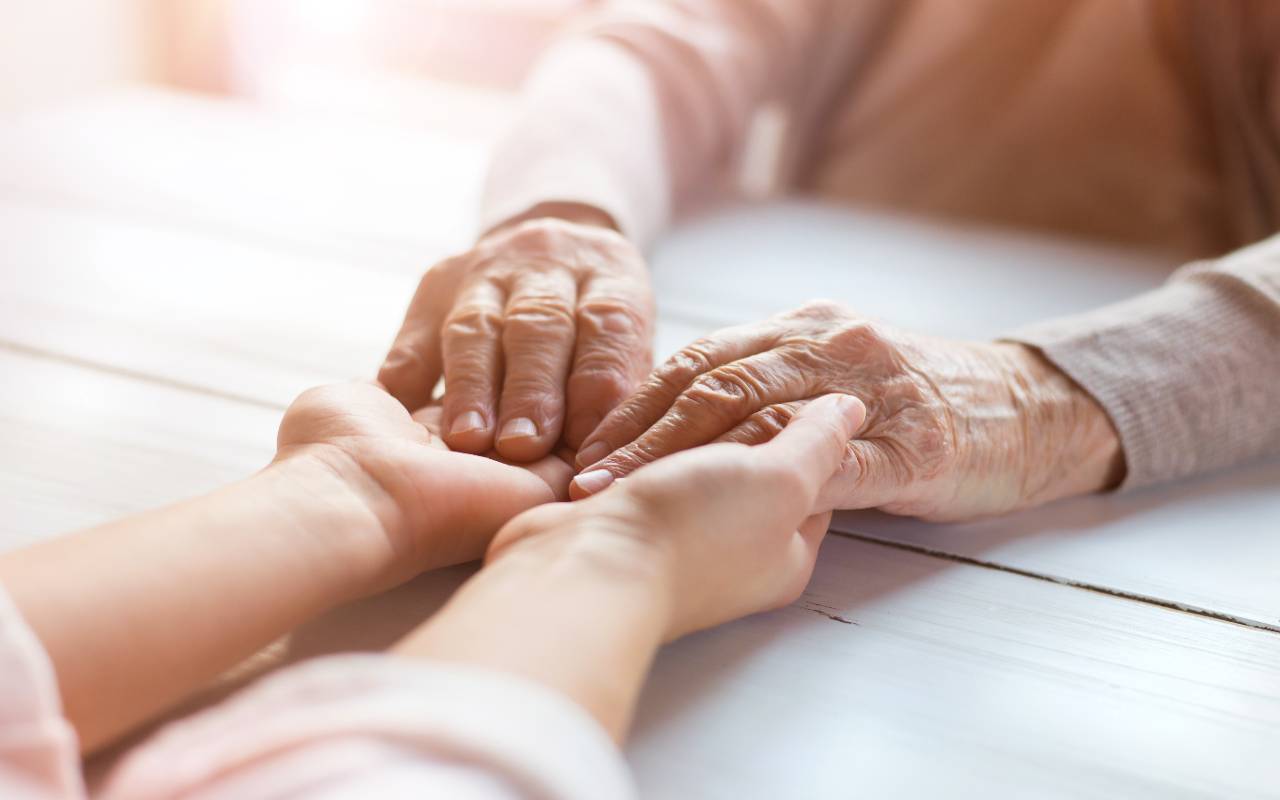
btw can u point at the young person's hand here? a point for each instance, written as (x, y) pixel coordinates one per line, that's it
(723, 530)
(578, 596)
(432, 507)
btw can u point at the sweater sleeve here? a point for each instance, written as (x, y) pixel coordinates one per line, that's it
(378, 726)
(649, 99)
(39, 755)
(1189, 373)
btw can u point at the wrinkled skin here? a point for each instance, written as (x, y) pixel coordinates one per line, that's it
(724, 530)
(435, 507)
(955, 430)
(539, 331)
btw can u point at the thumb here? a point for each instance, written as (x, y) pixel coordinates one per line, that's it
(815, 439)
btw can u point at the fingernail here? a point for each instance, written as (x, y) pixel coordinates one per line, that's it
(853, 409)
(590, 455)
(518, 428)
(593, 481)
(470, 421)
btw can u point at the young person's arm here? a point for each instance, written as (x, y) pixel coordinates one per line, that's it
(578, 596)
(514, 689)
(137, 613)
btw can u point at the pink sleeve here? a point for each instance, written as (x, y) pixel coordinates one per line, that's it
(651, 99)
(39, 755)
(378, 726)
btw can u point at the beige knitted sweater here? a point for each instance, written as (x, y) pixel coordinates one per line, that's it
(1154, 123)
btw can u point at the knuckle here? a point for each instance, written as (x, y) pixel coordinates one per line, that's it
(472, 322)
(539, 314)
(612, 316)
(821, 308)
(722, 391)
(774, 418)
(682, 368)
(858, 337)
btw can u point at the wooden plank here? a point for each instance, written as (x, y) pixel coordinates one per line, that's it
(243, 319)
(252, 321)
(998, 682)
(259, 322)
(958, 681)
(85, 446)
(380, 194)
(744, 263)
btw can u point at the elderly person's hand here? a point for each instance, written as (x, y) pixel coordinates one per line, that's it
(954, 430)
(539, 331)
(718, 532)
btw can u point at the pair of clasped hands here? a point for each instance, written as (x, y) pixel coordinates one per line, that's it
(734, 451)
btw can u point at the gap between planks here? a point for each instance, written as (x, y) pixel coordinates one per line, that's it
(1136, 597)
(1187, 608)
(138, 375)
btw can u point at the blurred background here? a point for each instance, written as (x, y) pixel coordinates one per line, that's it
(412, 61)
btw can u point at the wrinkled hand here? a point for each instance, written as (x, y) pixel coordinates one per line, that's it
(434, 507)
(954, 430)
(725, 530)
(541, 329)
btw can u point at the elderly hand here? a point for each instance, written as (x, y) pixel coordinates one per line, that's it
(431, 507)
(541, 329)
(955, 430)
(720, 532)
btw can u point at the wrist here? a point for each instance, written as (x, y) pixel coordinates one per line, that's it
(342, 520)
(596, 541)
(576, 213)
(1071, 446)
(571, 606)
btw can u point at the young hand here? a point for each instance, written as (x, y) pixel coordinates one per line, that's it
(433, 507)
(724, 530)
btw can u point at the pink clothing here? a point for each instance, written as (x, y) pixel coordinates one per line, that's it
(1154, 123)
(358, 726)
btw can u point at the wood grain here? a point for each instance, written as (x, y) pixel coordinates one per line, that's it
(897, 674)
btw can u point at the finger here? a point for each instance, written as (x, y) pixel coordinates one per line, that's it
(871, 475)
(613, 353)
(763, 425)
(537, 346)
(650, 402)
(471, 341)
(716, 402)
(814, 444)
(414, 363)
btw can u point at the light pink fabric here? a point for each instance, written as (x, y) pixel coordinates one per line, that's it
(1154, 123)
(358, 726)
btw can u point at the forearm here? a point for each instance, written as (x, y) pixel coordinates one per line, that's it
(568, 610)
(587, 134)
(137, 613)
(1187, 373)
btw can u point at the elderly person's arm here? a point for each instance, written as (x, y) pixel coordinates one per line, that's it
(1189, 373)
(1174, 382)
(546, 324)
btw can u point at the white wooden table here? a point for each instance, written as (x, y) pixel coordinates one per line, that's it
(176, 269)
